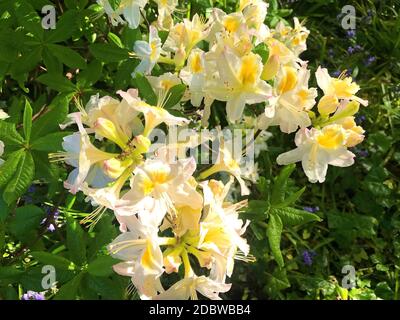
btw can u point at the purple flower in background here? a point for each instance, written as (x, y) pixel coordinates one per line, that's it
(311, 209)
(336, 73)
(32, 189)
(350, 50)
(308, 257)
(370, 60)
(331, 53)
(52, 225)
(351, 33)
(360, 119)
(32, 295)
(349, 72)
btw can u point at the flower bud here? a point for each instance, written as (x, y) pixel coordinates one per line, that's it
(141, 143)
(108, 130)
(328, 104)
(271, 68)
(115, 167)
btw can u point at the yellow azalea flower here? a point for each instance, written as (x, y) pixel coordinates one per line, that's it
(238, 82)
(317, 149)
(228, 160)
(189, 286)
(158, 188)
(153, 115)
(342, 87)
(293, 99)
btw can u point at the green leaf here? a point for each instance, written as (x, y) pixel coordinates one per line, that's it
(26, 220)
(76, 243)
(27, 121)
(52, 259)
(91, 74)
(102, 266)
(293, 217)
(10, 272)
(57, 82)
(291, 199)
(175, 95)
(28, 18)
(279, 187)
(25, 63)
(146, 91)
(9, 135)
(274, 232)
(7, 169)
(114, 4)
(67, 24)
(50, 143)
(49, 122)
(69, 291)
(22, 179)
(108, 53)
(67, 56)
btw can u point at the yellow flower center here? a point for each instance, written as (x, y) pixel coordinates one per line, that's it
(344, 88)
(331, 137)
(231, 23)
(288, 81)
(195, 63)
(249, 70)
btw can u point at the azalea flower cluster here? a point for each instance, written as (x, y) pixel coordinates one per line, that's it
(167, 217)
(172, 219)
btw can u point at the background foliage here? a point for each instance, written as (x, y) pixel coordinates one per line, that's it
(355, 217)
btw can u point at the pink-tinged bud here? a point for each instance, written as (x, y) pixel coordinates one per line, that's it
(115, 167)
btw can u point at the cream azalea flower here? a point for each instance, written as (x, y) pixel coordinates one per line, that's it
(341, 88)
(3, 116)
(148, 52)
(194, 76)
(140, 249)
(165, 10)
(238, 82)
(129, 9)
(158, 188)
(293, 100)
(316, 149)
(189, 286)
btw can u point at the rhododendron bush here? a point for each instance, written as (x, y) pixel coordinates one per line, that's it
(175, 150)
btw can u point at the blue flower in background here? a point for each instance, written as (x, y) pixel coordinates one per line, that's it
(370, 60)
(311, 209)
(32, 295)
(351, 33)
(308, 257)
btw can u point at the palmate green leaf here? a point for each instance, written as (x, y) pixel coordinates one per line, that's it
(274, 232)
(279, 187)
(102, 266)
(53, 259)
(76, 242)
(53, 65)
(50, 143)
(115, 39)
(67, 24)
(293, 217)
(49, 122)
(108, 52)
(67, 56)
(146, 91)
(57, 82)
(9, 135)
(22, 178)
(175, 95)
(69, 291)
(91, 74)
(25, 63)
(28, 18)
(8, 168)
(27, 121)
(26, 220)
(290, 199)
